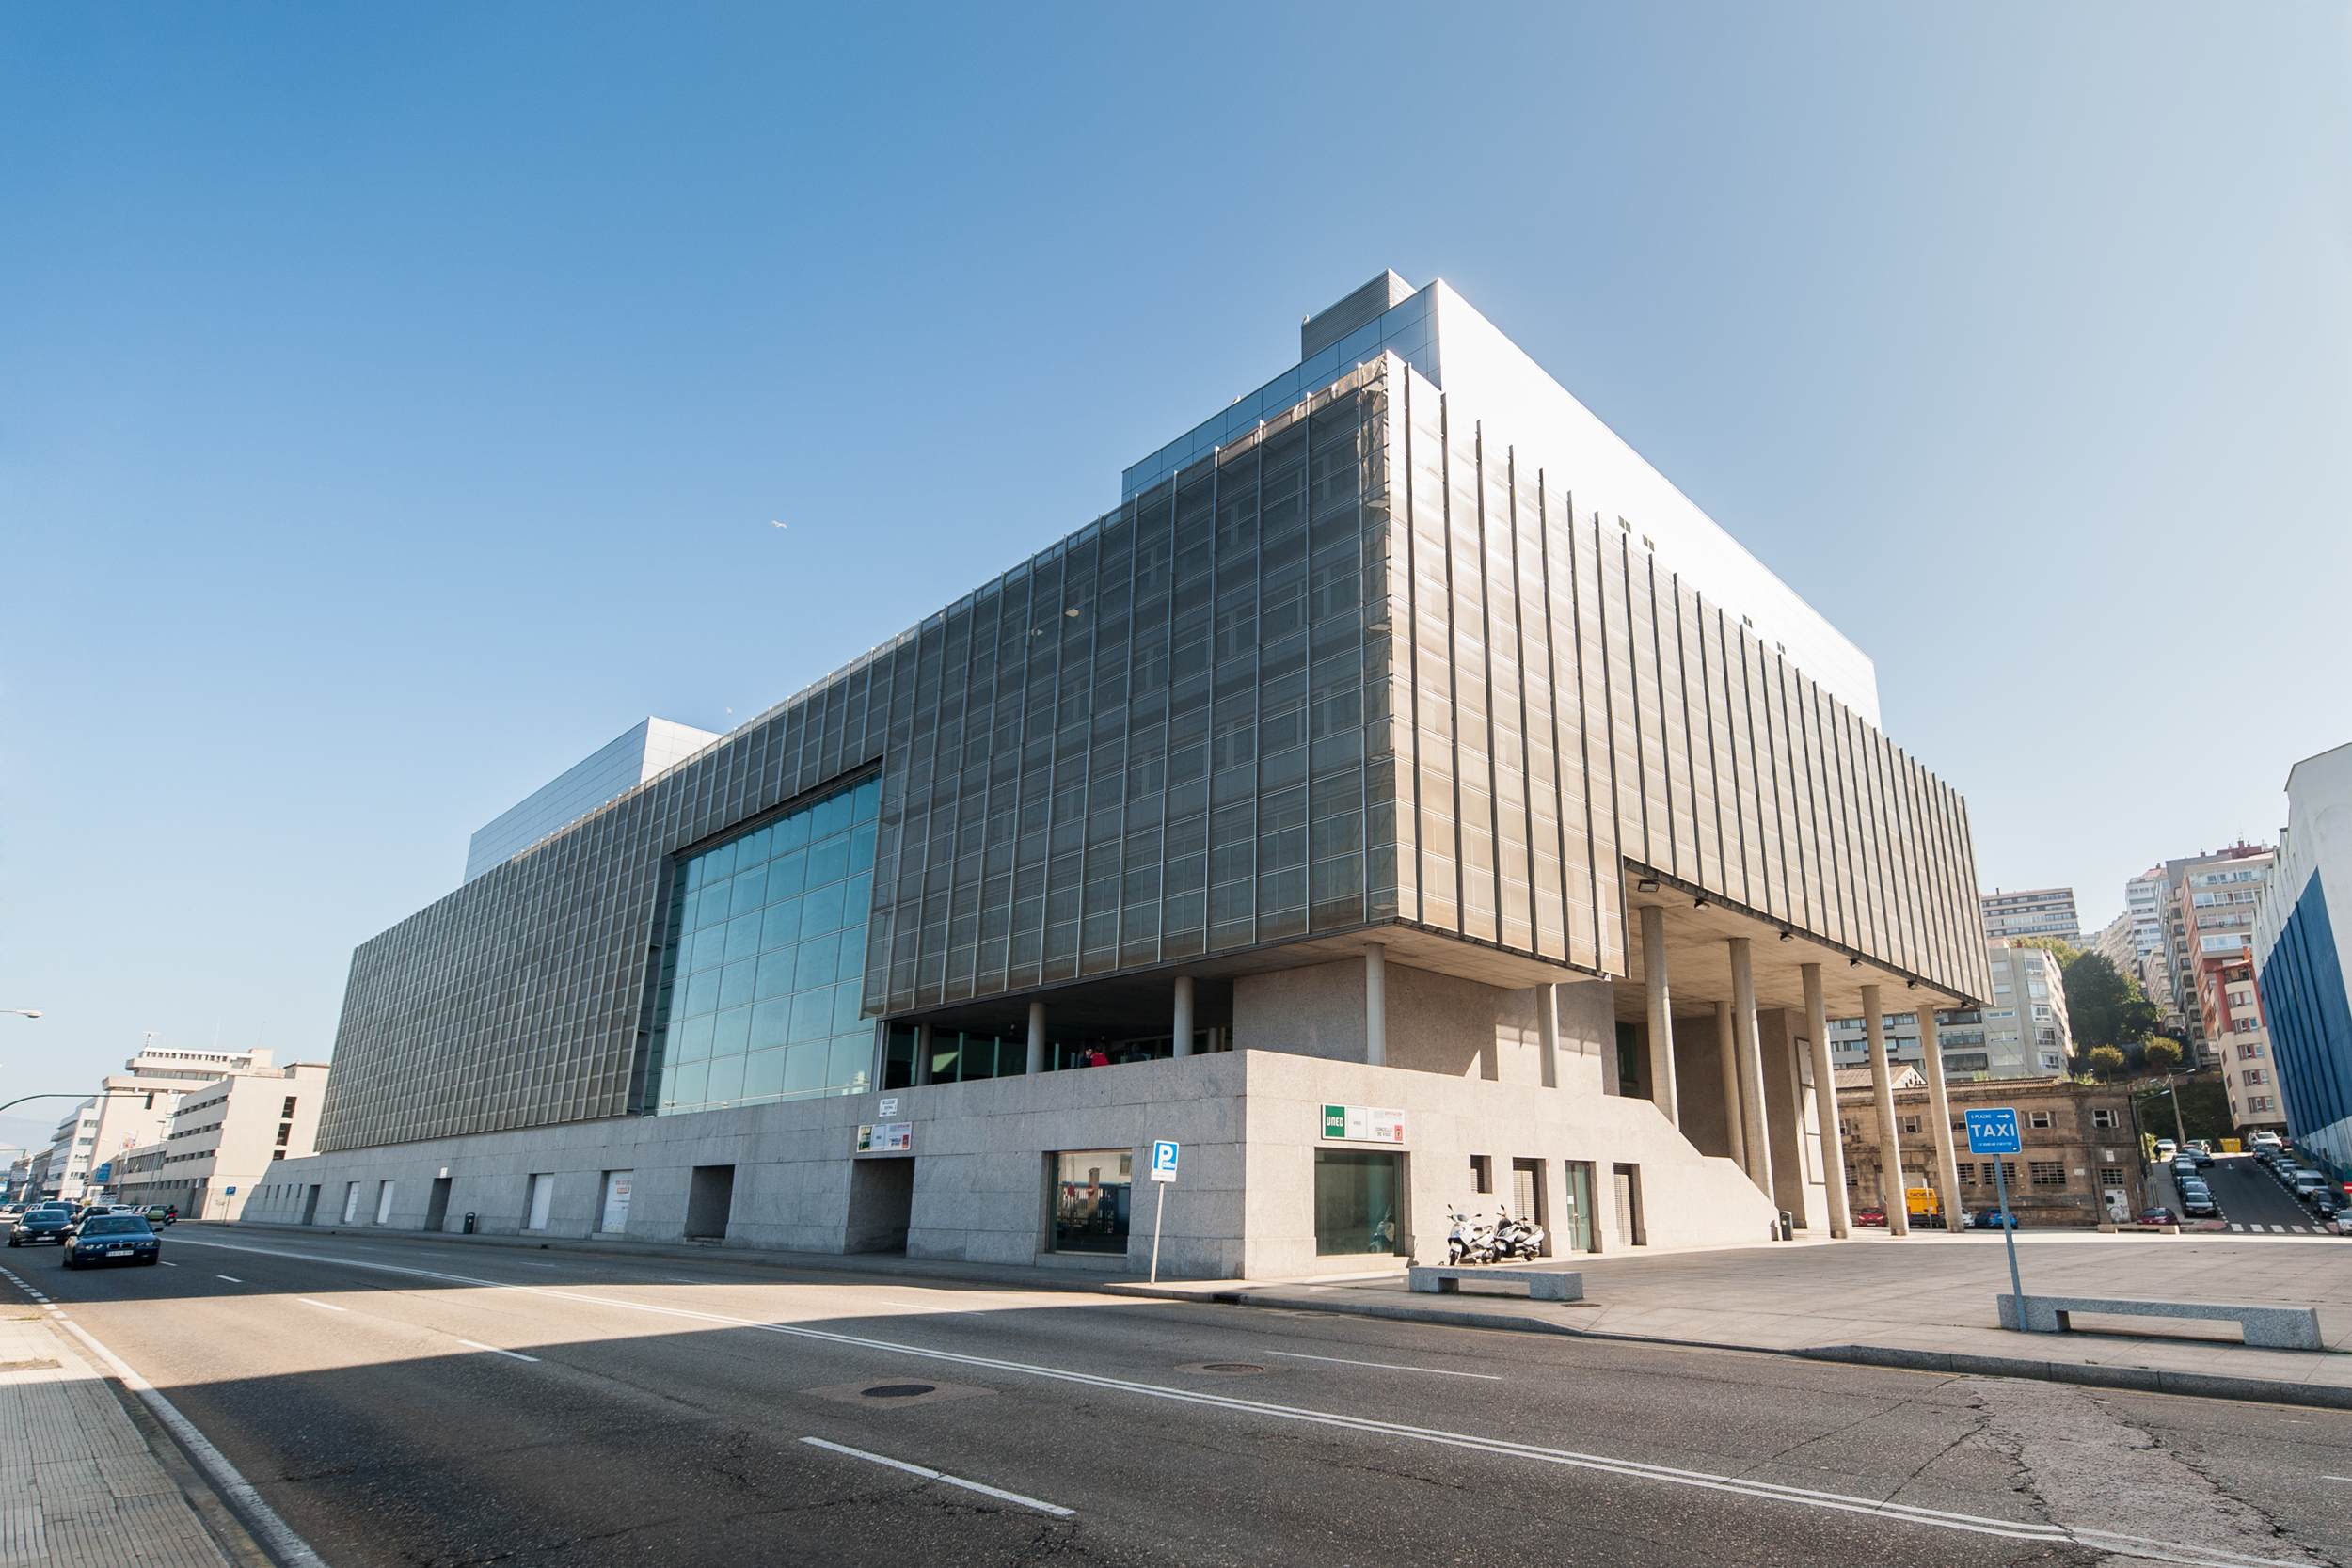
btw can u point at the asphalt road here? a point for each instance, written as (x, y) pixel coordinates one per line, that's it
(430, 1405)
(2251, 1196)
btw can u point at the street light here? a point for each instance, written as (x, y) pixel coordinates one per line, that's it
(20, 1012)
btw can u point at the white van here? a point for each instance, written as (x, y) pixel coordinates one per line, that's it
(2261, 1141)
(2166, 1149)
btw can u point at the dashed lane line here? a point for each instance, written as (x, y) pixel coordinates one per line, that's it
(514, 1354)
(1385, 1366)
(943, 1478)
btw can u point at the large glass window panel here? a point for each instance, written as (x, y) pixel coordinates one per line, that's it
(752, 899)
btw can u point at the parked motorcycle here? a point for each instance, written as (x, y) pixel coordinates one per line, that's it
(1517, 1239)
(1502, 1239)
(1468, 1240)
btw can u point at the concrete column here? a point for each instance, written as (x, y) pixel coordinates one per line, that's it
(1751, 1053)
(1940, 1107)
(1825, 1103)
(1728, 1053)
(1660, 1013)
(1184, 1015)
(922, 1054)
(882, 1055)
(1037, 1036)
(1890, 1143)
(1547, 1033)
(1376, 1005)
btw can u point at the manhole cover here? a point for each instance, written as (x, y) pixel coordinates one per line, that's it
(1231, 1367)
(897, 1390)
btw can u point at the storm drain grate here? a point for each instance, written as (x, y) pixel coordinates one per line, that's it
(897, 1390)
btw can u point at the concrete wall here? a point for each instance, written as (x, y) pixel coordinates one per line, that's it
(1249, 1121)
(1313, 1010)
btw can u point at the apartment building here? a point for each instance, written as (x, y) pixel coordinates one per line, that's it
(2040, 911)
(2210, 930)
(226, 1138)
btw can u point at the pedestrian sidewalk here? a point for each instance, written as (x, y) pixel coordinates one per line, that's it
(1925, 1303)
(79, 1487)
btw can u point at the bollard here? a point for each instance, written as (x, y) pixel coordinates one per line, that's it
(469, 1225)
(1788, 1225)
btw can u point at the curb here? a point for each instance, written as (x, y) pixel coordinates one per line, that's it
(2146, 1380)
(216, 1517)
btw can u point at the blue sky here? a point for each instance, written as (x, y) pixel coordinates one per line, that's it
(395, 401)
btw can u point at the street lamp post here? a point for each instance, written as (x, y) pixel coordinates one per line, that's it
(20, 1012)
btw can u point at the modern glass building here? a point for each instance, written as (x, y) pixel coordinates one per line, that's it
(2302, 952)
(1402, 788)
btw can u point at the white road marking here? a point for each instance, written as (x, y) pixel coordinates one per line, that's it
(328, 1305)
(230, 1277)
(1385, 1366)
(476, 1344)
(928, 1474)
(283, 1545)
(2014, 1530)
(166, 1262)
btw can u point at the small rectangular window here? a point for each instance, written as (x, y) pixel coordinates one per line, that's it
(2038, 1118)
(2047, 1173)
(1482, 1173)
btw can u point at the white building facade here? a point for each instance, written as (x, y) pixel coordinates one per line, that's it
(2040, 911)
(228, 1134)
(646, 748)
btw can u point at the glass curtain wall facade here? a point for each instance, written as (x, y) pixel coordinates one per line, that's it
(1149, 743)
(765, 965)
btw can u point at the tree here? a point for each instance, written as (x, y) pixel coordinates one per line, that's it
(2106, 1062)
(2103, 1006)
(2163, 1055)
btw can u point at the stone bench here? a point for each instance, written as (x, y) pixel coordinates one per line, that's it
(1542, 1284)
(2269, 1327)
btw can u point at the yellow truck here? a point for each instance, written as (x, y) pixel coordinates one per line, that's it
(1923, 1204)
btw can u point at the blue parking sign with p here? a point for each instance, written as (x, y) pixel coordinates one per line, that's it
(1993, 1131)
(1164, 1160)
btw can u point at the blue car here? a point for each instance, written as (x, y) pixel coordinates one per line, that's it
(1991, 1219)
(112, 1239)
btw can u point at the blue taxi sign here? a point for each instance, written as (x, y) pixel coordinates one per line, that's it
(1993, 1131)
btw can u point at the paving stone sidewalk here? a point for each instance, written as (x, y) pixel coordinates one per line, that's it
(79, 1487)
(1927, 1302)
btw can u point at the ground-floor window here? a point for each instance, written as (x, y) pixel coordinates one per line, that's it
(1357, 1194)
(1094, 1192)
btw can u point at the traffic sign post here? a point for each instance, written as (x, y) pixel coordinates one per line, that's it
(1164, 1157)
(1995, 1132)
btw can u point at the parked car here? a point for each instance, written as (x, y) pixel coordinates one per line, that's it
(2324, 1202)
(2198, 1205)
(41, 1225)
(112, 1239)
(162, 1214)
(1993, 1219)
(2156, 1214)
(1872, 1215)
(2166, 1149)
(2204, 1157)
